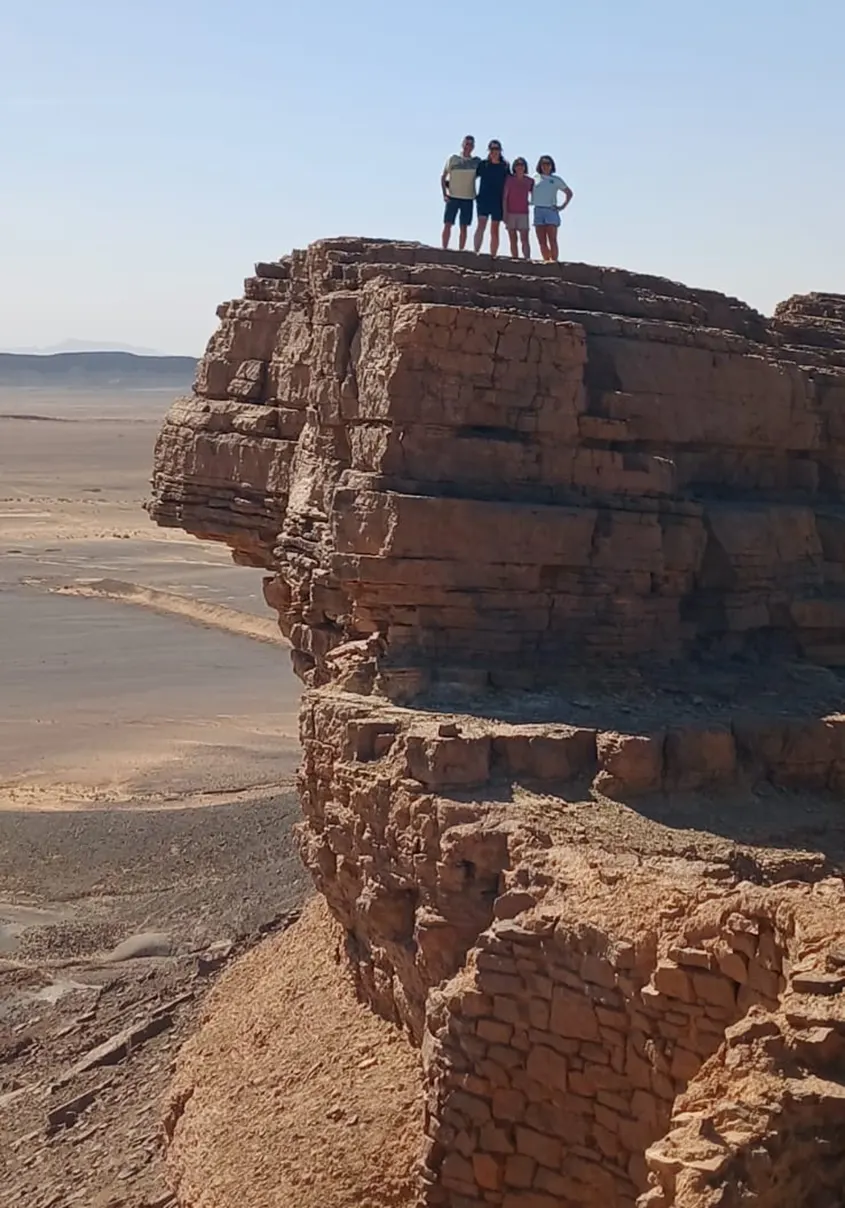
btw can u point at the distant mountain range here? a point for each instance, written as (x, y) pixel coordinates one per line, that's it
(84, 346)
(101, 370)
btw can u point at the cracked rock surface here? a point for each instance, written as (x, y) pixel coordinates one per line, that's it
(559, 553)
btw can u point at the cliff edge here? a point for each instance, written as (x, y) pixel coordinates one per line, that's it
(560, 553)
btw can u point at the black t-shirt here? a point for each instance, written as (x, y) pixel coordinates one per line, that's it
(492, 179)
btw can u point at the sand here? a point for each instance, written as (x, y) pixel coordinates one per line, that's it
(148, 741)
(126, 651)
(293, 1093)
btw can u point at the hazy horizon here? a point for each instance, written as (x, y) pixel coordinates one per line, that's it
(76, 345)
(92, 347)
(162, 149)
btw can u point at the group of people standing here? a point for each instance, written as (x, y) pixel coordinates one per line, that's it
(503, 192)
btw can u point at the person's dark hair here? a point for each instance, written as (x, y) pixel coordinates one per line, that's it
(468, 138)
(520, 159)
(542, 160)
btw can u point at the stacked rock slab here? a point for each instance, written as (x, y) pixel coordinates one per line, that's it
(560, 552)
(507, 471)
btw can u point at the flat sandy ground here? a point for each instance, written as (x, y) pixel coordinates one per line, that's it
(147, 748)
(99, 695)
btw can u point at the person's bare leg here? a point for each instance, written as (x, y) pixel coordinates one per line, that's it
(514, 244)
(462, 237)
(525, 238)
(447, 235)
(553, 252)
(494, 238)
(543, 242)
(480, 228)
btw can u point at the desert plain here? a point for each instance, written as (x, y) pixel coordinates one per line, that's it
(147, 748)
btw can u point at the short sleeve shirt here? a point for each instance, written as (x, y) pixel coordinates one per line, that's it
(517, 193)
(546, 189)
(492, 179)
(461, 171)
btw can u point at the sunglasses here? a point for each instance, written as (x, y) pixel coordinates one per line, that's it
(494, 147)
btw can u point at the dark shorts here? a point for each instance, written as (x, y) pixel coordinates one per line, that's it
(458, 206)
(491, 207)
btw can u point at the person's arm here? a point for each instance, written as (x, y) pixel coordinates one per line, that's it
(564, 188)
(444, 181)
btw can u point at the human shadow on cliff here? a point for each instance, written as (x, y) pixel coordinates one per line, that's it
(763, 834)
(746, 760)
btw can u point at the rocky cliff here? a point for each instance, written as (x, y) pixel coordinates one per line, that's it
(560, 553)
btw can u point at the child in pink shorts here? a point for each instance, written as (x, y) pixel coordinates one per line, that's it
(518, 187)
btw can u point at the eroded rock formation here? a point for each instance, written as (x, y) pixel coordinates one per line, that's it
(560, 552)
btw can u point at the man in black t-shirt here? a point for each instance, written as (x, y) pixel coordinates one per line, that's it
(492, 174)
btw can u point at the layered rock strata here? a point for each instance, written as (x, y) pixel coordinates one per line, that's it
(560, 552)
(601, 939)
(636, 468)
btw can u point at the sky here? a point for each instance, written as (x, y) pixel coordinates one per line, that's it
(152, 150)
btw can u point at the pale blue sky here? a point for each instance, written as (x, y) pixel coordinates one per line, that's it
(152, 150)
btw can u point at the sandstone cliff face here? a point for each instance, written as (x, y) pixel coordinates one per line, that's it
(635, 468)
(560, 552)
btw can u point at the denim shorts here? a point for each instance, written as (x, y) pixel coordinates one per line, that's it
(546, 216)
(458, 206)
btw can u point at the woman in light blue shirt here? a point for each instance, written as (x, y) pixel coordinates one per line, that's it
(547, 212)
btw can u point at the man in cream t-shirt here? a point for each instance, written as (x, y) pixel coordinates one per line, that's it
(458, 186)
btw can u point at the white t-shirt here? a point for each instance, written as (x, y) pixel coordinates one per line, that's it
(546, 189)
(462, 171)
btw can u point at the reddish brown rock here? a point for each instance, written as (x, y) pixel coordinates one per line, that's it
(518, 469)
(559, 551)
(630, 764)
